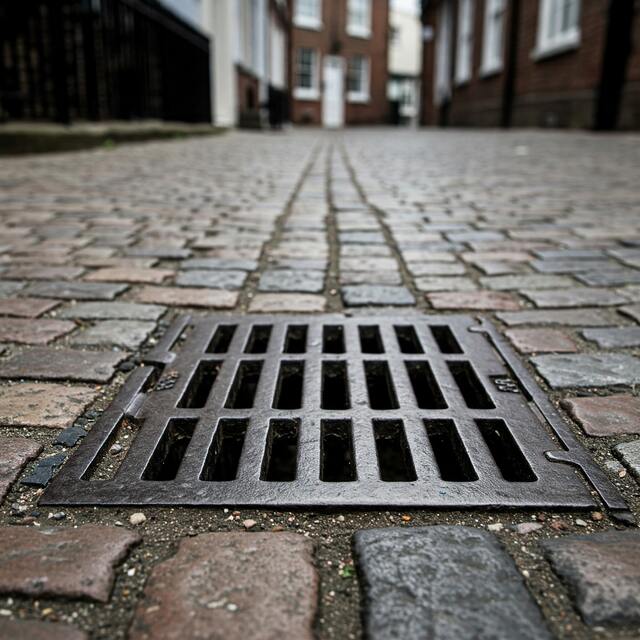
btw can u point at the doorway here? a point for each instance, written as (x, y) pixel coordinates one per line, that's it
(333, 92)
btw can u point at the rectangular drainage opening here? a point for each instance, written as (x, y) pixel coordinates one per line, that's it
(312, 411)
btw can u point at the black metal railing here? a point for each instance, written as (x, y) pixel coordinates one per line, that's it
(66, 60)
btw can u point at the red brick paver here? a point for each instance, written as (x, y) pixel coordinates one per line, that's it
(14, 455)
(36, 630)
(63, 562)
(541, 341)
(42, 405)
(606, 416)
(233, 586)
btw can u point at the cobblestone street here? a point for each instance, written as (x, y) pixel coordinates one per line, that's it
(537, 232)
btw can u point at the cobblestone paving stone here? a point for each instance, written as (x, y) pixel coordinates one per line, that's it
(538, 232)
(258, 585)
(401, 567)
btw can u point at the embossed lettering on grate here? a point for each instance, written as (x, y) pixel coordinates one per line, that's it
(331, 410)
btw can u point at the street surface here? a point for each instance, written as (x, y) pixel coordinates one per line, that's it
(539, 232)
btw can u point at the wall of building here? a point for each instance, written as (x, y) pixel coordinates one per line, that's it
(554, 90)
(333, 39)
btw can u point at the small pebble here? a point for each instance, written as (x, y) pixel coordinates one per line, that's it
(496, 526)
(248, 524)
(137, 518)
(596, 516)
(580, 522)
(115, 449)
(528, 527)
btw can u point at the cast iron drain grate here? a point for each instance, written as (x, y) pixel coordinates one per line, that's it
(327, 411)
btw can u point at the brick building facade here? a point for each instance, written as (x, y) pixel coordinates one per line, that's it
(338, 61)
(558, 63)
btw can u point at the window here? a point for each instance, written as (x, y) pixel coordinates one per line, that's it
(308, 14)
(306, 80)
(464, 51)
(493, 37)
(359, 18)
(358, 79)
(558, 26)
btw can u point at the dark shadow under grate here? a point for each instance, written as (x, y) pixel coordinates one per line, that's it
(333, 411)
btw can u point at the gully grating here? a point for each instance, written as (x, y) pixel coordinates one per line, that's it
(422, 411)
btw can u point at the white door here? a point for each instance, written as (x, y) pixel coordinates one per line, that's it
(333, 92)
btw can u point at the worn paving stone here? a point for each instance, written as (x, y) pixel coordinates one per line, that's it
(444, 582)
(632, 311)
(361, 295)
(222, 279)
(606, 415)
(42, 363)
(588, 370)
(26, 307)
(220, 264)
(526, 281)
(614, 337)
(574, 265)
(602, 571)
(370, 277)
(445, 283)
(478, 300)
(62, 562)
(610, 278)
(305, 281)
(112, 311)
(188, 297)
(280, 302)
(368, 264)
(38, 630)
(575, 297)
(75, 290)
(164, 253)
(56, 406)
(541, 341)
(43, 272)
(234, 586)
(127, 274)
(418, 269)
(570, 318)
(361, 237)
(129, 334)
(33, 330)
(8, 287)
(629, 453)
(14, 455)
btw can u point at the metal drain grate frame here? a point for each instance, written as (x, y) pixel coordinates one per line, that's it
(413, 411)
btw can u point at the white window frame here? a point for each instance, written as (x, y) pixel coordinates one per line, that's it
(551, 38)
(312, 92)
(363, 96)
(492, 62)
(357, 30)
(465, 41)
(305, 21)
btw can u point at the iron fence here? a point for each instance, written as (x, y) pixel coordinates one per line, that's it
(66, 60)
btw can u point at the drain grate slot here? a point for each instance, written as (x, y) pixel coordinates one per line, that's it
(333, 339)
(392, 448)
(289, 386)
(200, 385)
(222, 338)
(223, 457)
(471, 388)
(168, 455)
(425, 386)
(370, 339)
(281, 453)
(451, 456)
(258, 341)
(445, 339)
(408, 340)
(335, 386)
(382, 394)
(337, 461)
(296, 339)
(290, 411)
(505, 451)
(245, 384)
